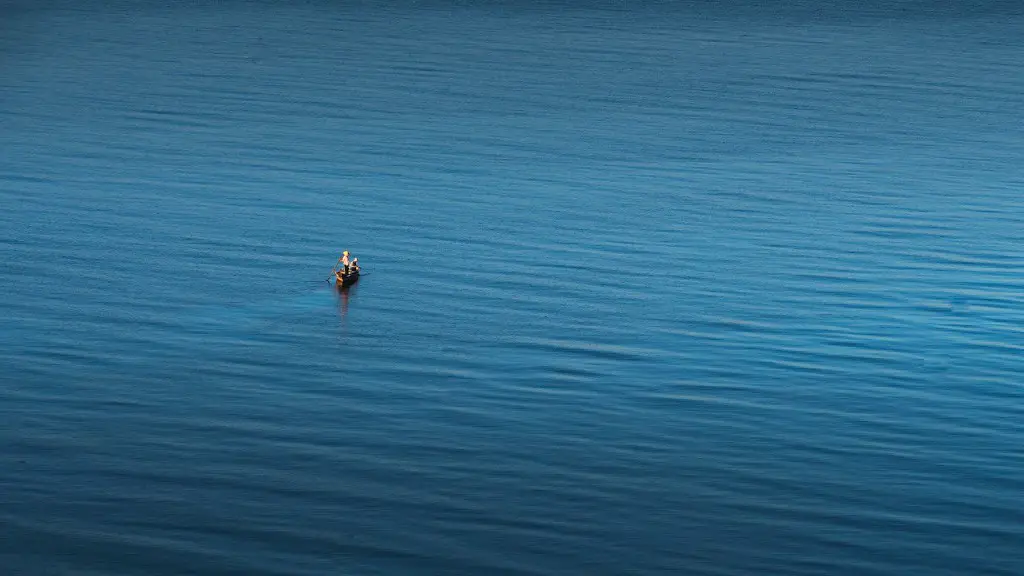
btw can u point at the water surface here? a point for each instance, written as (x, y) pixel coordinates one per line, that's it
(662, 289)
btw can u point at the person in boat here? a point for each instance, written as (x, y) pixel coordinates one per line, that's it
(344, 261)
(353, 268)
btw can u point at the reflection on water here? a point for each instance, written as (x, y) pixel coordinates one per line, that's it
(344, 294)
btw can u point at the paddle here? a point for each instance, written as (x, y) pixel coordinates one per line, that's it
(333, 271)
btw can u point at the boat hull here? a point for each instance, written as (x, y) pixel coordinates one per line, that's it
(342, 280)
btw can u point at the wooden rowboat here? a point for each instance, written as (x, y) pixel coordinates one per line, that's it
(342, 280)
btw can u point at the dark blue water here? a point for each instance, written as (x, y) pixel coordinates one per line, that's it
(662, 289)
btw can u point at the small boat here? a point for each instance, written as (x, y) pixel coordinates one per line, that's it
(342, 280)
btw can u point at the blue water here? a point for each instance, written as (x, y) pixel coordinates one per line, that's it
(714, 289)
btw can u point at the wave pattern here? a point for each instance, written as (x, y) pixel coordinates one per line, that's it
(659, 290)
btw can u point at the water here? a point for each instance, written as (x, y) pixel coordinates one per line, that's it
(682, 289)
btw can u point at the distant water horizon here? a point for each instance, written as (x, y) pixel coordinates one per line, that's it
(663, 288)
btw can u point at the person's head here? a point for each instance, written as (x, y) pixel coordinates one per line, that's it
(354, 260)
(345, 253)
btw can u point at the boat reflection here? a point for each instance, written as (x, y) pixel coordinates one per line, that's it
(344, 294)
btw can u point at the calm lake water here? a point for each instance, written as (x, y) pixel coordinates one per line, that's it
(711, 289)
